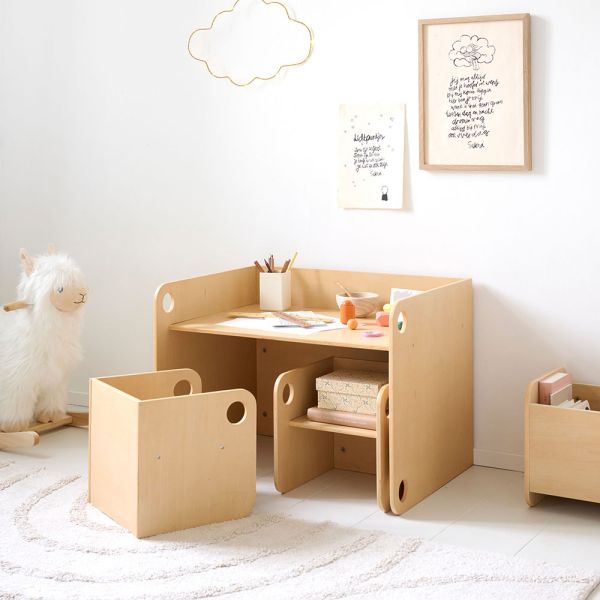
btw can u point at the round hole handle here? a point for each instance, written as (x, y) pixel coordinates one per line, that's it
(236, 412)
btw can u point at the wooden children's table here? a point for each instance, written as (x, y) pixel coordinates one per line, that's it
(424, 434)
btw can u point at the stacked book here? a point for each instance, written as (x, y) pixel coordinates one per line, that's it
(348, 397)
(557, 390)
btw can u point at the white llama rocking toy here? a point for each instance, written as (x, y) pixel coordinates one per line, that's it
(39, 347)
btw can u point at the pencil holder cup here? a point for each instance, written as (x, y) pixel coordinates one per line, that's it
(275, 291)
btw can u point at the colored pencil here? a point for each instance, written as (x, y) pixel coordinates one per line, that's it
(292, 261)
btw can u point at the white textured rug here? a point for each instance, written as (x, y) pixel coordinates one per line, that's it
(53, 545)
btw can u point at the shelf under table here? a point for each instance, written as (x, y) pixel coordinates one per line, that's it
(305, 423)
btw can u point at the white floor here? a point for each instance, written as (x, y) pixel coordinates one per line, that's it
(482, 508)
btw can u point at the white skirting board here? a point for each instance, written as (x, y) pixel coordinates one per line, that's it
(498, 460)
(78, 399)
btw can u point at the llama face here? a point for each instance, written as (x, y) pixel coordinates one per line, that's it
(68, 299)
(53, 279)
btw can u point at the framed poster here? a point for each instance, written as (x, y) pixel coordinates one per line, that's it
(474, 92)
(371, 156)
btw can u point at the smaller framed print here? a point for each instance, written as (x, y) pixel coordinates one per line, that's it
(371, 156)
(474, 93)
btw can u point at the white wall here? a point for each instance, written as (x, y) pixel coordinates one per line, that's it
(118, 147)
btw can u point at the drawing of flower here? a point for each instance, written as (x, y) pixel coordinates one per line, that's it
(471, 51)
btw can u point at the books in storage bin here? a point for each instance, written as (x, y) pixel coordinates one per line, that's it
(552, 384)
(340, 417)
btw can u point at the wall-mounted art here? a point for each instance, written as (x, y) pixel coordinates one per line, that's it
(253, 40)
(474, 82)
(371, 156)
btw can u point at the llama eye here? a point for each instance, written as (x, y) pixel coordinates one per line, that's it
(60, 290)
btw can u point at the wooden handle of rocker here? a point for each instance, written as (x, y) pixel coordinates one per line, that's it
(20, 439)
(18, 305)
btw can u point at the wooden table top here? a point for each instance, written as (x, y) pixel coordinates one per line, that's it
(345, 338)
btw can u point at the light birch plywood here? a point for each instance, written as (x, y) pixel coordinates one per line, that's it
(160, 462)
(340, 338)
(18, 439)
(79, 419)
(43, 427)
(305, 449)
(226, 357)
(354, 453)
(305, 423)
(562, 446)
(198, 297)
(30, 437)
(274, 357)
(113, 446)
(442, 324)
(223, 362)
(383, 449)
(531, 397)
(300, 454)
(318, 287)
(195, 467)
(431, 393)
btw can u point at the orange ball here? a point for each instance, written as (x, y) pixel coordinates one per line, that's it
(352, 324)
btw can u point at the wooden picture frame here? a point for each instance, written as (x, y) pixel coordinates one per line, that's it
(474, 93)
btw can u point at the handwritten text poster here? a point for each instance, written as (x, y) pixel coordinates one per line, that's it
(474, 93)
(371, 156)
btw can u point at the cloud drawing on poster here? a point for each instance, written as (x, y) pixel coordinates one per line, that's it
(253, 40)
(471, 51)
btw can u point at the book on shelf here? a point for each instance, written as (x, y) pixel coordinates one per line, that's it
(556, 382)
(562, 395)
(576, 404)
(341, 417)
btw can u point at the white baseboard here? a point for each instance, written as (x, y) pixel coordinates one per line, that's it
(498, 460)
(78, 399)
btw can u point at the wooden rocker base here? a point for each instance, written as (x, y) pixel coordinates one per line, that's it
(31, 436)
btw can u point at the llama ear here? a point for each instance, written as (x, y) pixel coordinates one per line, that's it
(26, 262)
(51, 249)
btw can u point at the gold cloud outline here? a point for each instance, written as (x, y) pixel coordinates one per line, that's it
(230, 10)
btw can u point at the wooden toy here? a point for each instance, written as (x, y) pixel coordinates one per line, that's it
(347, 311)
(164, 456)
(39, 345)
(382, 318)
(372, 334)
(365, 303)
(18, 305)
(31, 435)
(352, 324)
(430, 422)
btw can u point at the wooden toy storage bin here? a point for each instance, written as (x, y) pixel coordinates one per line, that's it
(305, 449)
(163, 456)
(562, 446)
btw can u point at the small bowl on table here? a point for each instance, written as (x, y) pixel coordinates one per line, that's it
(365, 303)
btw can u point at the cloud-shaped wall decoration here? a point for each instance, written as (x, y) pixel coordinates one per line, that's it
(471, 51)
(254, 39)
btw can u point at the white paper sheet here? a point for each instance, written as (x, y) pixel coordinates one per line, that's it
(270, 324)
